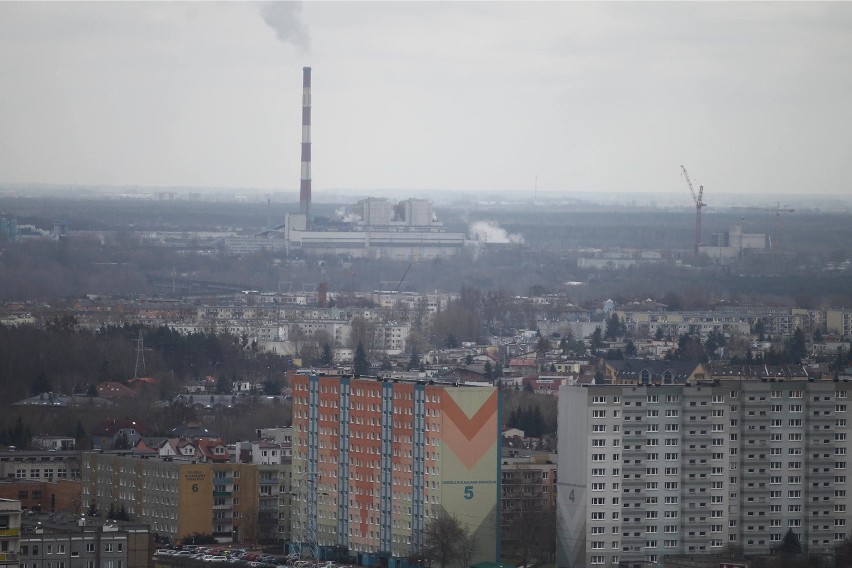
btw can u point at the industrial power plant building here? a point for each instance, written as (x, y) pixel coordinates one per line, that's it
(376, 234)
(376, 228)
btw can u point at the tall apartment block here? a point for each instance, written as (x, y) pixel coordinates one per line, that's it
(375, 460)
(648, 471)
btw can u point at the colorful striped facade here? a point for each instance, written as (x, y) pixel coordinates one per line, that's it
(374, 460)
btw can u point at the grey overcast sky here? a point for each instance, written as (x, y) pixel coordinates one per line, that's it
(751, 97)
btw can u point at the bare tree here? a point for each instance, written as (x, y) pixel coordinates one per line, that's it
(529, 517)
(297, 338)
(447, 540)
(466, 549)
(363, 332)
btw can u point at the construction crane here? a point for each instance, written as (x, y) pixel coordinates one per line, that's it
(775, 244)
(699, 203)
(403, 277)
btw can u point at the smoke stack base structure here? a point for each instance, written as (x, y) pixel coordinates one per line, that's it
(373, 227)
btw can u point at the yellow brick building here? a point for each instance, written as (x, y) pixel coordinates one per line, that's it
(176, 498)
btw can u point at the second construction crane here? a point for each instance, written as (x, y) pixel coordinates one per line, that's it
(775, 242)
(699, 203)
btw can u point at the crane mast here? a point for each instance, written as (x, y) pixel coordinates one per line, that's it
(699, 203)
(775, 244)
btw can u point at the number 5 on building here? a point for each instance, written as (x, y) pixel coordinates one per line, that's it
(468, 491)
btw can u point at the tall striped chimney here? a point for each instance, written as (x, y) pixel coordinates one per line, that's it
(305, 184)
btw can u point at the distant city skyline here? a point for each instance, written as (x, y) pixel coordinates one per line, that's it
(470, 97)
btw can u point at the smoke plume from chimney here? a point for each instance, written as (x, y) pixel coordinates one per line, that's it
(286, 19)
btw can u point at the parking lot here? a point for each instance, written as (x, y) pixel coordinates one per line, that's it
(238, 556)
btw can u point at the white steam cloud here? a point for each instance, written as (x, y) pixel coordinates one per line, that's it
(286, 19)
(491, 232)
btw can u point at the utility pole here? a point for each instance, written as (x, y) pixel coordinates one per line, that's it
(140, 356)
(307, 520)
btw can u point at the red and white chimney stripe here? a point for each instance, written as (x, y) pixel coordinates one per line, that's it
(305, 184)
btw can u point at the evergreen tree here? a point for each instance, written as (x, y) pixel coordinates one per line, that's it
(489, 372)
(122, 442)
(542, 346)
(223, 385)
(597, 339)
(79, 431)
(451, 341)
(790, 546)
(798, 347)
(272, 387)
(327, 356)
(613, 328)
(414, 361)
(17, 435)
(711, 344)
(630, 349)
(360, 365)
(614, 355)
(41, 383)
(514, 419)
(659, 334)
(839, 363)
(498, 370)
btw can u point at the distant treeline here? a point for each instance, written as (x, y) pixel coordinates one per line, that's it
(119, 264)
(65, 359)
